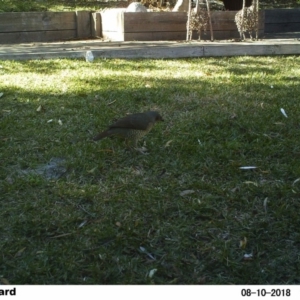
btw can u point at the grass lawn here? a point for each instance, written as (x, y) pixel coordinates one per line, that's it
(73, 211)
(56, 5)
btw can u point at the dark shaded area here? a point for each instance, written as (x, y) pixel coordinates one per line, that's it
(235, 4)
(238, 4)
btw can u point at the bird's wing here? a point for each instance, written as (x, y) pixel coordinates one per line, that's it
(138, 121)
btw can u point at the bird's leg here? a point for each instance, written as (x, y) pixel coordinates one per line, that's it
(132, 145)
(142, 150)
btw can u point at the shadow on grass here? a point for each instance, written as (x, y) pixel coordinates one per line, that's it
(88, 226)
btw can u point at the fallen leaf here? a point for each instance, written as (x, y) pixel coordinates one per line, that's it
(243, 243)
(251, 182)
(49, 121)
(248, 256)
(92, 170)
(146, 252)
(265, 204)
(297, 180)
(152, 272)
(168, 143)
(248, 168)
(19, 253)
(60, 122)
(187, 192)
(110, 103)
(118, 224)
(61, 235)
(40, 108)
(82, 224)
(1, 94)
(4, 281)
(283, 112)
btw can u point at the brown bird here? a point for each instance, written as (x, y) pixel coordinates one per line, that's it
(132, 127)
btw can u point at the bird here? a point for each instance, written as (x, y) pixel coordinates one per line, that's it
(132, 127)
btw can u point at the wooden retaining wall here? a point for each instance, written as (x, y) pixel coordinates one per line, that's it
(282, 20)
(44, 26)
(61, 26)
(118, 25)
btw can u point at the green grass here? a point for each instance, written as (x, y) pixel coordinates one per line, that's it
(87, 226)
(55, 5)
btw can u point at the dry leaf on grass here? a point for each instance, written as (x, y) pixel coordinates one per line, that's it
(297, 180)
(152, 272)
(40, 108)
(4, 281)
(82, 224)
(265, 204)
(243, 243)
(248, 168)
(143, 250)
(248, 256)
(251, 182)
(187, 192)
(283, 112)
(92, 170)
(19, 253)
(167, 144)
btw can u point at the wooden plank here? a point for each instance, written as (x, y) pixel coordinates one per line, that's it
(224, 20)
(165, 25)
(154, 36)
(38, 36)
(282, 27)
(83, 24)
(198, 49)
(282, 15)
(162, 17)
(174, 21)
(96, 30)
(218, 35)
(152, 27)
(253, 49)
(180, 35)
(149, 49)
(33, 21)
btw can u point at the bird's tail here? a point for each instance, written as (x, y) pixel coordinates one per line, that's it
(101, 135)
